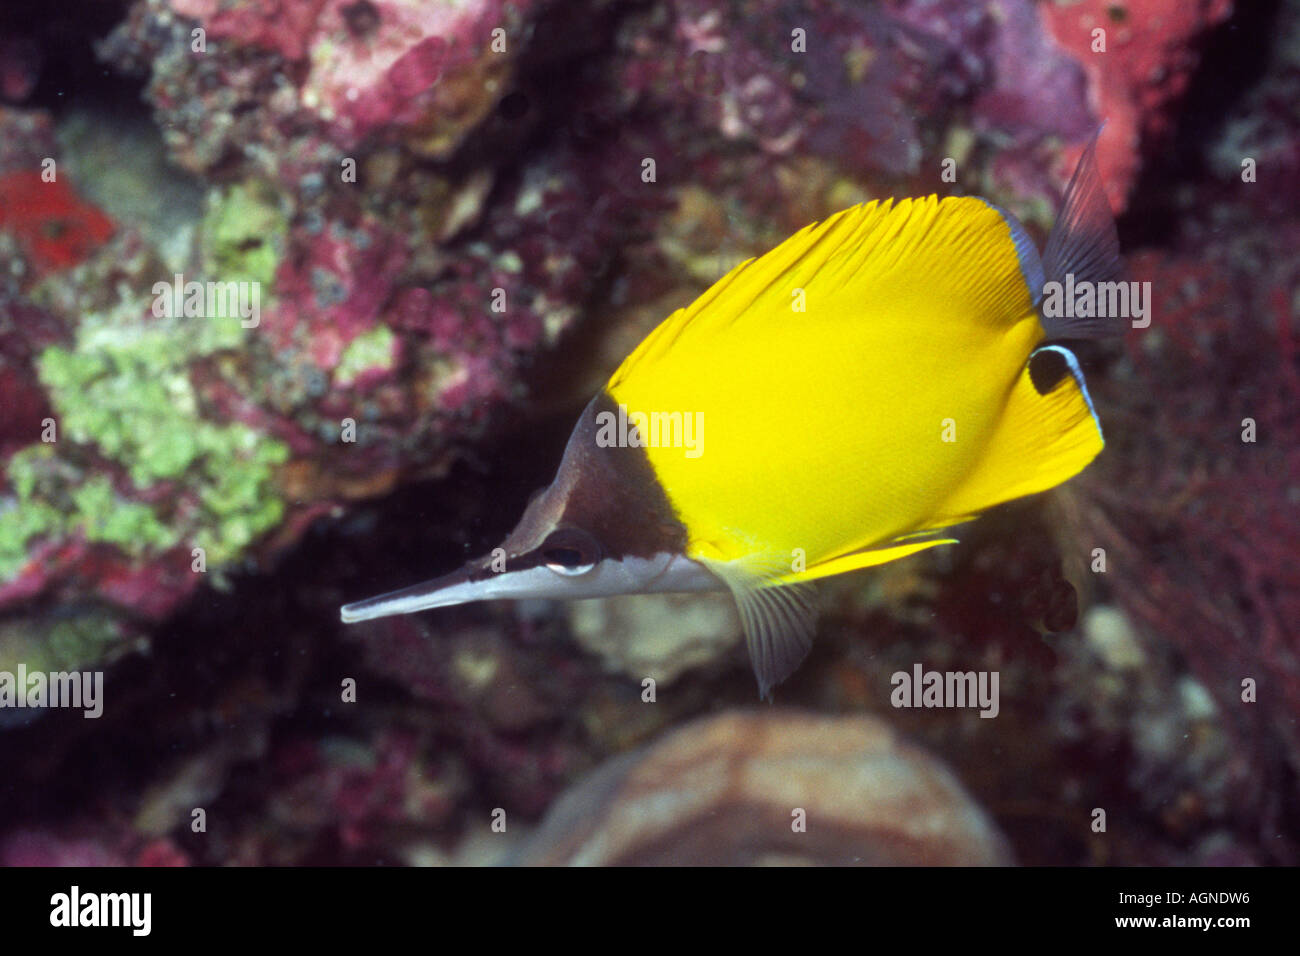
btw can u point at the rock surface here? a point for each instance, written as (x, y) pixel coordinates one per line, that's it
(775, 787)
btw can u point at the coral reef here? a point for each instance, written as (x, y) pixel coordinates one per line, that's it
(1197, 508)
(54, 227)
(366, 337)
(1138, 56)
(656, 636)
(400, 300)
(458, 217)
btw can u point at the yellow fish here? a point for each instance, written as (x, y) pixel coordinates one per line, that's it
(836, 403)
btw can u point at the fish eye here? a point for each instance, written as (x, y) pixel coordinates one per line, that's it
(571, 552)
(566, 561)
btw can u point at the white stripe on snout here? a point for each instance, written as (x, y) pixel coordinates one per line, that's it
(658, 574)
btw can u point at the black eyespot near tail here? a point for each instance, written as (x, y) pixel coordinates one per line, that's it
(1052, 364)
(1047, 369)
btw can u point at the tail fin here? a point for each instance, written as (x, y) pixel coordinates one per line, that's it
(1083, 247)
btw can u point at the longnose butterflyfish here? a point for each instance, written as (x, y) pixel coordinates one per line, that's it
(836, 403)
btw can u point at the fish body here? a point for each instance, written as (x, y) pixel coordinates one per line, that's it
(821, 433)
(871, 382)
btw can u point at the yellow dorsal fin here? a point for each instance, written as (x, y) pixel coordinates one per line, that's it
(1041, 439)
(959, 258)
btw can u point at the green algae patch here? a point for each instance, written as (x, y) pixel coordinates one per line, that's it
(371, 351)
(66, 641)
(124, 390)
(103, 516)
(244, 234)
(80, 640)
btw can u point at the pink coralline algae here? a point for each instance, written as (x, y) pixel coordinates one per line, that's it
(55, 227)
(380, 64)
(407, 63)
(334, 290)
(1138, 56)
(285, 26)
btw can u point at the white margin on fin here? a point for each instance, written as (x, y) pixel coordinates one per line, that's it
(1073, 362)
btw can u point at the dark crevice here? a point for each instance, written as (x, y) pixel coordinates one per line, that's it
(208, 679)
(62, 35)
(1234, 59)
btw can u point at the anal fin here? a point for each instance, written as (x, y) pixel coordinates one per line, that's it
(879, 554)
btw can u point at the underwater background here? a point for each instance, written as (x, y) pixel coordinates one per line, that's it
(186, 502)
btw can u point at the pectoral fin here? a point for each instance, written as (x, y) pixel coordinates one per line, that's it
(779, 621)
